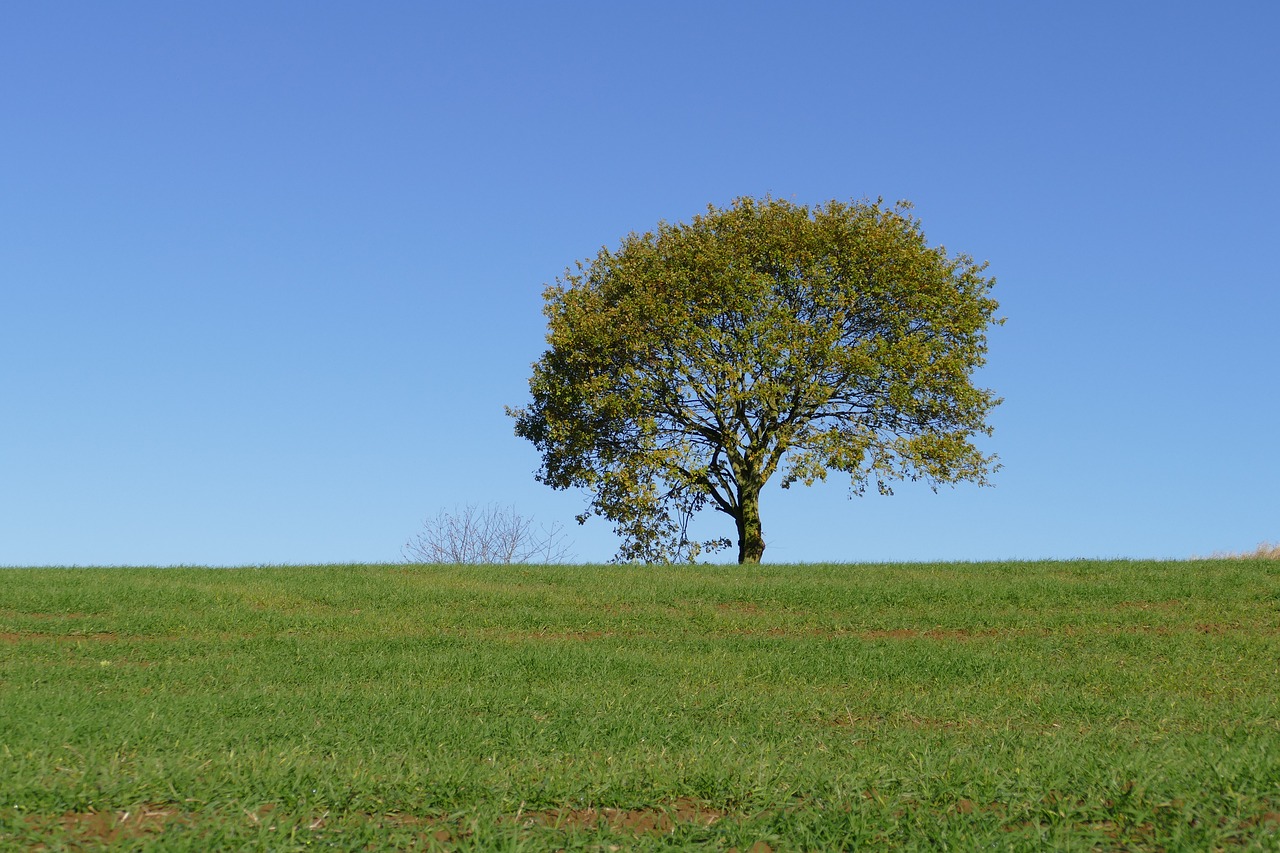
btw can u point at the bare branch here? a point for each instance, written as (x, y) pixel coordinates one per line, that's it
(484, 535)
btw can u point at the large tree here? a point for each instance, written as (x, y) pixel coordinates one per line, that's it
(692, 363)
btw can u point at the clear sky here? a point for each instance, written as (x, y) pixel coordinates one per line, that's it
(269, 271)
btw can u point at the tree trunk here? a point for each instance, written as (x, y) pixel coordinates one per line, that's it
(750, 536)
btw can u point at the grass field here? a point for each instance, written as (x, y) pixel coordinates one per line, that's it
(1005, 706)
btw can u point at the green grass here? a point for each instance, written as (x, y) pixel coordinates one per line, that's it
(1007, 706)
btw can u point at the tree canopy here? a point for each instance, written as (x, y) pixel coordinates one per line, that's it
(693, 363)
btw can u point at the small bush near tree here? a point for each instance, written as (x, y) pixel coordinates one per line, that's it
(486, 534)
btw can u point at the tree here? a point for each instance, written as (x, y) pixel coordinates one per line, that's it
(694, 362)
(490, 534)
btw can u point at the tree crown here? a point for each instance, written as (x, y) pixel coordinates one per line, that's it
(689, 365)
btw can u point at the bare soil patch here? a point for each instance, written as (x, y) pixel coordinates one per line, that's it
(23, 636)
(578, 636)
(749, 608)
(871, 634)
(645, 821)
(110, 827)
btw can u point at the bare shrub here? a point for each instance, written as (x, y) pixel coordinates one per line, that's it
(1265, 551)
(488, 534)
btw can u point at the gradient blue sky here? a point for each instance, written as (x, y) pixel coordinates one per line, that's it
(269, 271)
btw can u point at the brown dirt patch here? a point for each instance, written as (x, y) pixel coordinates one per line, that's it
(646, 821)
(435, 827)
(871, 634)
(775, 631)
(749, 608)
(853, 721)
(568, 636)
(110, 827)
(850, 720)
(23, 636)
(618, 607)
(576, 635)
(888, 634)
(938, 633)
(961, 635)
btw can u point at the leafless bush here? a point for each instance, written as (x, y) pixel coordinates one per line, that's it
(489, 534)
(1265, 551)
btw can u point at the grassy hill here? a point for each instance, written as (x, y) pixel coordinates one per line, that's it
(1067, 705)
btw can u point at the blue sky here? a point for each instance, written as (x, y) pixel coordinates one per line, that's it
(269, 272)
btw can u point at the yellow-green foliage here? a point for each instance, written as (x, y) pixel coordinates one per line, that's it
(691, 364)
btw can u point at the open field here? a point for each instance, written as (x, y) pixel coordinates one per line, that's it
(1073, 706)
